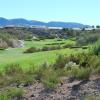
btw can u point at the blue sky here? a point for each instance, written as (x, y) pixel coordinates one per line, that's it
(82, 11)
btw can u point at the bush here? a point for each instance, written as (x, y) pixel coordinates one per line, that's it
(50, 81)
(15, 74)
(78, 59)
(96, 48)
(45, 48)
(32, 50)
(41, 70)
(68, 45)
(50, 78)
(55, 47)
(47, 75)
(60, 62)
(97, 70)
(88, 38)
(11, 93)
(25, 79)
(80, 65)
(80, 73)
(59, 39)
(55, 43)
(13, 69)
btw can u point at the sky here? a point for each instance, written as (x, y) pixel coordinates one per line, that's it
(81, 11)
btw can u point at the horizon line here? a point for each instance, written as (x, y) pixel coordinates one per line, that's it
(48, 21)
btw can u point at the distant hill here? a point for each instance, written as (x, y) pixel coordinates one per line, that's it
(24, 22)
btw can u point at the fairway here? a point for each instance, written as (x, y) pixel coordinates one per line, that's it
(16, 55)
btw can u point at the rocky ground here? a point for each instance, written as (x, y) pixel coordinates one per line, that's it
(68, 90)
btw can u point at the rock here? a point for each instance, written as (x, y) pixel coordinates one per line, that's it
(70, 65)
(75, 87)
(71, 79)
(21, 85)
(3, 44)
(32, 95)
(14, 85)
(16, 43)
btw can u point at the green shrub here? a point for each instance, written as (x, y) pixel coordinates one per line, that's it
(60, 62)
(59, 39)
(3, 96)
(45, 48)
(11, 93)
(40, 71)
(97, 70)
(80, 73)
(96, 48)
(13, 69)
(55, 43)
(81, 59)
(22, 78)
(15, 74)
(80, 65)
(50, 78)
(37, 39)
(55, 47)
(87, 38)
(31, 50)
(47, 75)
(68, 45)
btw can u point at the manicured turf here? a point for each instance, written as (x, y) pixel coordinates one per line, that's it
(16, 55)
(40, 44)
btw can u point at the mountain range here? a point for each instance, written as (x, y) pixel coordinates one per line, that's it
(24, 22)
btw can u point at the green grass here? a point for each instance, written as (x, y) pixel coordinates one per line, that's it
(16, 55)
(41, 43)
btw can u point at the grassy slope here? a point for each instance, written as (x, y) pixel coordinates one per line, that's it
(16, 55)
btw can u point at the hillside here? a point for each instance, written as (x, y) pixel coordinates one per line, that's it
(24, 22)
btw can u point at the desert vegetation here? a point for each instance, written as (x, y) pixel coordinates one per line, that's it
(46, 59)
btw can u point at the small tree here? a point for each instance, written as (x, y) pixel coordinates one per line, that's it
(97, 26)
(93, 26)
